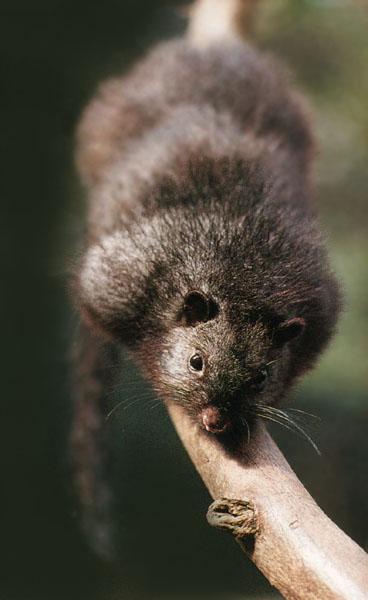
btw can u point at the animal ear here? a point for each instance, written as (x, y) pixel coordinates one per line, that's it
(197, 308)
(289, 330)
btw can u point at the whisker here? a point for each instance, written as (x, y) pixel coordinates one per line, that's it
(273, 420)
(126, 383)
(304, 412)
(125, 404)
(114, 409)
(156, 404)
(272, 362)
(284, 413)
(122, 387)
(286, 422)
(245, 422)
(298, 420)
(302, 431)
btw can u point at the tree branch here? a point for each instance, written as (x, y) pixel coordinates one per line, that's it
(278, 524)
(211, 20)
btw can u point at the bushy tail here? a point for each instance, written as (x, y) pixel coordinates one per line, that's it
(93, 371)
(213, 20)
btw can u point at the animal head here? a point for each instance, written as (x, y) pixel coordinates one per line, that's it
(219, 338)
(220, 373)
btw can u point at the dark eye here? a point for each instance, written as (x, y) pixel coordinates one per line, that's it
(196, 362)
(258, 382)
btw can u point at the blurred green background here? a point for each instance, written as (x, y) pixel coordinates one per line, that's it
(53, 53)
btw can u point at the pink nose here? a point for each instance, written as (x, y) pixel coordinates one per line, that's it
(213, 420)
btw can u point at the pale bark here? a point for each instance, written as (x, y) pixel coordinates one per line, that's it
(278, 524)
(214, 20)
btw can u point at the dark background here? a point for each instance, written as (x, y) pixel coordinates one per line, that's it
(53, 53)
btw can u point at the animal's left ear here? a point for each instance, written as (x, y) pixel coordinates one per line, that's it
(289, 330)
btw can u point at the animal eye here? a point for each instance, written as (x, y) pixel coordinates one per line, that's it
(196, 362)
(258, 382)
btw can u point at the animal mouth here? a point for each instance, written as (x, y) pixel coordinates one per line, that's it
(214, 420)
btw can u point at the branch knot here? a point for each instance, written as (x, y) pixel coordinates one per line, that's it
(239, 517)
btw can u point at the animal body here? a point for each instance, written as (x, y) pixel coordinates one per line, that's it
(203, 254)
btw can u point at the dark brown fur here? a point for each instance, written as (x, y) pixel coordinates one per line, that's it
(202, 235)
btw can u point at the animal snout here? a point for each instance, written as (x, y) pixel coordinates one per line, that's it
(214, 420)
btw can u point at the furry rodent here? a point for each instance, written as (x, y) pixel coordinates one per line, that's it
(203, 254)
